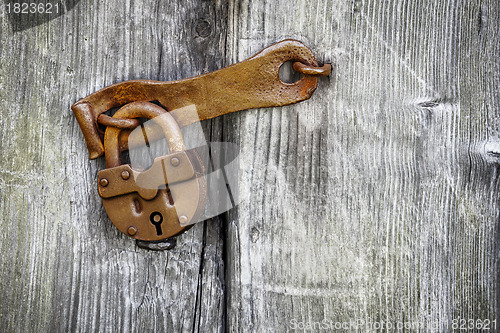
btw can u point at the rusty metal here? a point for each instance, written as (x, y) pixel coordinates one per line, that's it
(141, 110)
(144, 204)
(252, 83)
(119, 123)
(164, 244)
(138, 202)
(302, 68)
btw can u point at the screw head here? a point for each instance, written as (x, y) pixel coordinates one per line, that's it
(132, 231)
(183, 220)
(125, 175)
(175, 161)
(104, 182)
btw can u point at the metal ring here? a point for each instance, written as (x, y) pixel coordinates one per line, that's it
(142, 110)
(302, 68)
(121, 123)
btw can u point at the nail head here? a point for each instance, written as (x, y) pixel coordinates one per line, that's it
(183, 220)
(132, 231)
(175, 161)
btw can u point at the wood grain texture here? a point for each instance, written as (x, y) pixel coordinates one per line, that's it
(64, 267)
(376, 200)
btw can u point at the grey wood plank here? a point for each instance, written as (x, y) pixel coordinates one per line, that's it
(376, 200)
(64, 267)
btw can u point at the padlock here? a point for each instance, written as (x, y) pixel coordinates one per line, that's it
(162, 201)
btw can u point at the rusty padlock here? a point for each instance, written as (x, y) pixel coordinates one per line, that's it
(161, 201)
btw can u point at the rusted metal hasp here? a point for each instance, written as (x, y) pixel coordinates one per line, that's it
(165, 200)
(253, 83)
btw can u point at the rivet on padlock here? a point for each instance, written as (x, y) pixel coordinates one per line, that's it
(133, 200)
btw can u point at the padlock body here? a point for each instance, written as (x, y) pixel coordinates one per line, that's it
(157, 203)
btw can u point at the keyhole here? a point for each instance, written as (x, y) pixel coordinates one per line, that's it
(156, 218)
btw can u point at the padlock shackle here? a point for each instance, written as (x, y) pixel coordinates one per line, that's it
(141, 110)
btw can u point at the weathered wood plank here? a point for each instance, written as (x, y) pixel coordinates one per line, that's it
(376, 200)
(64, 266)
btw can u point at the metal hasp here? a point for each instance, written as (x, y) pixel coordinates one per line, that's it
(147, 212)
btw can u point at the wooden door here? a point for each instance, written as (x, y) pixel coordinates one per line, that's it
(374, 203)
